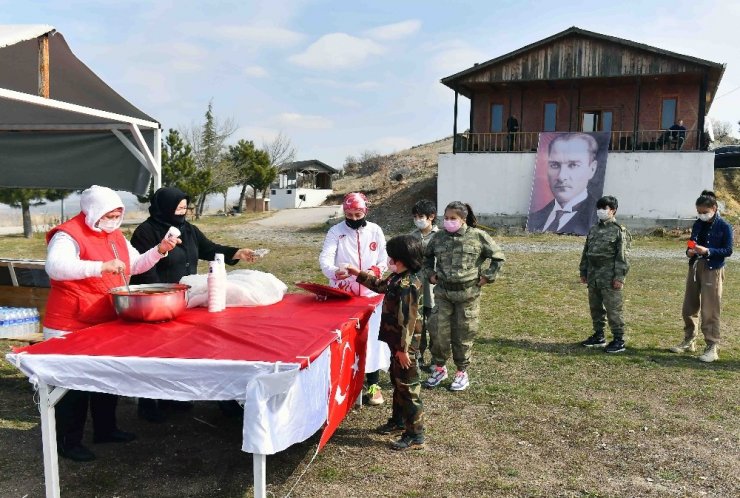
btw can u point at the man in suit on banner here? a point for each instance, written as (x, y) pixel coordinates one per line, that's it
(571, 164)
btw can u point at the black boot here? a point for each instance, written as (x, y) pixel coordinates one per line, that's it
(595, 341)
(616, 345)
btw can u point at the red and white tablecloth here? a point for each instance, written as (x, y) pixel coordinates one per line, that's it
(296, 364)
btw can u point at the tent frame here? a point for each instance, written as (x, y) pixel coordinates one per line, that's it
(151, 160)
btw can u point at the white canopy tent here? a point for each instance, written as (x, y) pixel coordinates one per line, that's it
(61, 126)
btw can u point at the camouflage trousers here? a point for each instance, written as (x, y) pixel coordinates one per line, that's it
(408, 410)
(606, 305)
(454, 323)
(426, 336)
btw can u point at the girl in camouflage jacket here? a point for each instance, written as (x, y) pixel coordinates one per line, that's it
(460, 252)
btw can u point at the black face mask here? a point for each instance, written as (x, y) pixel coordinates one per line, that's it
(355, 224)
(178, 219)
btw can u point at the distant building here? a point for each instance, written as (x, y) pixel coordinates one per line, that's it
(578, 80)
(302, 184)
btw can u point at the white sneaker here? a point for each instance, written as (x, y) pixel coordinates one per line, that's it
(684, 347)
(438, 375)
(711, 353)
(461, 381)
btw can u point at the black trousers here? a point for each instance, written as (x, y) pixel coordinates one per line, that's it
(71, 415)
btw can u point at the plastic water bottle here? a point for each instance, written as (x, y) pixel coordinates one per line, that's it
(217, 284)
(3, 323)
(36, 321)
(13, 323)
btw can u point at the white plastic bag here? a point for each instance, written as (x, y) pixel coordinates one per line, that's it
(243, 288)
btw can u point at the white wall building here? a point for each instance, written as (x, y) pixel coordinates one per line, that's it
(653, 189)
(302, 184)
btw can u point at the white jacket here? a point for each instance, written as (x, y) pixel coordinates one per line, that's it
(362, 248)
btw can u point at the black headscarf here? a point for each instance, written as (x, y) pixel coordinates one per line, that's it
(164, 203)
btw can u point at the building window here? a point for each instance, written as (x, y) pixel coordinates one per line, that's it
(668, 113)
(596, 121)
(497, 118)
(551, 113)
(273, 192)
(606, 121)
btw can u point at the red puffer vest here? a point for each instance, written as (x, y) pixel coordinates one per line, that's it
(76, 304)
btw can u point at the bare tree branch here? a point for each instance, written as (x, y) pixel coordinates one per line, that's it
(280, 150)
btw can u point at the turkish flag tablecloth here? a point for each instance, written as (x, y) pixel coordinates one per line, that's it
(301, 345)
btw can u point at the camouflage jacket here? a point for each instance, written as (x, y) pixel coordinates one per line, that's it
(400, 321)
(605, 253)
(460, 256)
(428, 301)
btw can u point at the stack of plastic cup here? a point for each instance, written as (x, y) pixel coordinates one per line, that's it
(217, 284)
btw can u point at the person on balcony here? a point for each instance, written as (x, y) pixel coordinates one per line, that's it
(675, 136)
(571, 164)
(512, 126)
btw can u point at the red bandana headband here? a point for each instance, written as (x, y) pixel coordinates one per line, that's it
(355, 201)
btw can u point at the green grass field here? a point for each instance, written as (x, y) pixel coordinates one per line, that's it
(543, 417)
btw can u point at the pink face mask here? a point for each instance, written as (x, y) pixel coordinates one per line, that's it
(452, 226)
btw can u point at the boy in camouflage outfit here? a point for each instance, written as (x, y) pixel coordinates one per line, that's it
(400, 327)
(604, 267)
(425, 214)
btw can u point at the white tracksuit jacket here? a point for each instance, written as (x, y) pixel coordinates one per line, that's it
(363, 248)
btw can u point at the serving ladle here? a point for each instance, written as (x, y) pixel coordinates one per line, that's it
(123, 273)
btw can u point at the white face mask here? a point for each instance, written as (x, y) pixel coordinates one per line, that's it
(109, 226)
(603, 214)
(421, 223)
(705, 216)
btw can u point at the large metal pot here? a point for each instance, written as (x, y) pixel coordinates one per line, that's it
(150, 302)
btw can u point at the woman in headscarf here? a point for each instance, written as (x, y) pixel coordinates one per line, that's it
(359, 243)
(168, 209)
(83, 267)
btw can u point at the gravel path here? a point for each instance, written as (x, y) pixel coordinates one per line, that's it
(636, 252)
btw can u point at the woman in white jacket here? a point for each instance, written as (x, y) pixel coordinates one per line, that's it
(359, 243)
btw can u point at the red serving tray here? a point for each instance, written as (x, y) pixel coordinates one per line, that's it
(324, 291)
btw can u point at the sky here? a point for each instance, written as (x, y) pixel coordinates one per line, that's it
(342, 77)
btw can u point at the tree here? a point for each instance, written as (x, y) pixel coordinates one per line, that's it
(263, 174)
(250, 164)
(723, 134)
(280, 150)
(178, 168)
(208, 143)
(24, 198)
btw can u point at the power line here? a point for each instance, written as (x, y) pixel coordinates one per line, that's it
(727, 93)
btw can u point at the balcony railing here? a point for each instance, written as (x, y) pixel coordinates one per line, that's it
(621, 141)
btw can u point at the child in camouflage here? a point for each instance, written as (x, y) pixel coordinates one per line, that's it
(400, 327)
(604, 267)
(425, 217)
(455, 261)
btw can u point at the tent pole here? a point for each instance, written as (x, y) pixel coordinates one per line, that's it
(66, 106)
(157, 177)
(151, 164)
(44, 66)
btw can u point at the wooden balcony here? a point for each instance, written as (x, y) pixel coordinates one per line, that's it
(621, 141)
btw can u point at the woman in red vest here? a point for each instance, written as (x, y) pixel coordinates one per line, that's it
(82, 268)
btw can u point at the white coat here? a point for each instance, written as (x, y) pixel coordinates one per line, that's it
(363, 248)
